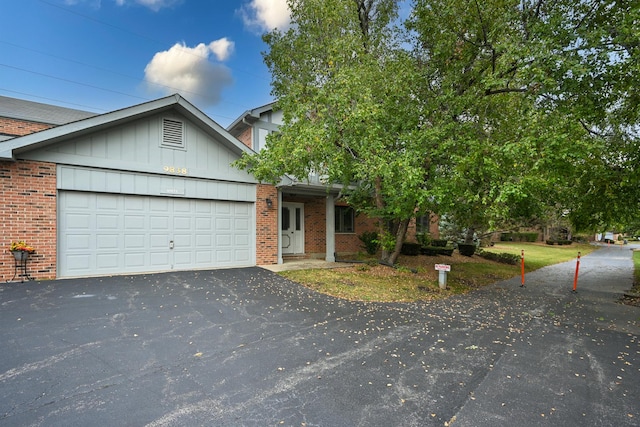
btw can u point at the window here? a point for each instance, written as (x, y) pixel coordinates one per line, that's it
(345, 219)
(423, 224)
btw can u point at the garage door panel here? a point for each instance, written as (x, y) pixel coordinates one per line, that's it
(77, 263)
(106, 241)
(182, 223)
(242, 255)
(110, 222)
(223, 209)
(108, 202)
(78, 221)
(135, 242)
(107, 261)
(159, 260)
(135, 260)
(134, 222)
(157, 222)
(78, 242)
(115, 234)
(223, 224)
(158, 241)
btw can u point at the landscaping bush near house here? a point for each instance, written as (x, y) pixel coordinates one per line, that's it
(466, 249)
(519, 237)
(411, 249)
(424, 239)
(439, 243)
(436, 250)
(370, 241)
(499, 257)
(559, 242)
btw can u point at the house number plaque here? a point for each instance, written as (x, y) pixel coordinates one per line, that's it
(175, 170)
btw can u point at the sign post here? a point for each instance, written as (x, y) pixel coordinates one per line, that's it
(522, 268)
(442, 277)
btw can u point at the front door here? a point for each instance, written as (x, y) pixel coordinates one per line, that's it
(292, 235)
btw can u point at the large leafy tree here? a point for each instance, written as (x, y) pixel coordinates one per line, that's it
(532, 96)
(481, 110)
(346, 89)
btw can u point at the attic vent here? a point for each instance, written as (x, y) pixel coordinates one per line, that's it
(172, 134)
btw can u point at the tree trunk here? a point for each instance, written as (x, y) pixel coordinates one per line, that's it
(391, 257)
(468, 238)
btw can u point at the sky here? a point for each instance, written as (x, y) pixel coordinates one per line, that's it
(104, 55)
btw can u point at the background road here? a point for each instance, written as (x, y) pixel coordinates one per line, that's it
(246, 347)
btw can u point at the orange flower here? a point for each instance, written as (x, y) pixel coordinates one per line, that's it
(22, 246)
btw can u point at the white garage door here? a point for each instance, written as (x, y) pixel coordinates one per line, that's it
(114, 234)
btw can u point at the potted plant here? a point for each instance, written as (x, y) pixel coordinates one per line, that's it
(21, 250)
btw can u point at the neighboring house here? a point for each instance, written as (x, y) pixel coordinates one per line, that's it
(152, 188)
(313, 221)
(143, 189)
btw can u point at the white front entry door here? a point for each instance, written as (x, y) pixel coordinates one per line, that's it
(292, 235)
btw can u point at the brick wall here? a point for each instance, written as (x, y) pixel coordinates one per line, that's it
(349, 243)
(245, 138)
(266, 225)
(315, 229)
(28, 212)
(17, 127)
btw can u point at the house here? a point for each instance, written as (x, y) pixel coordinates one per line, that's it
(314, 221)
(152, 188)
(142, 189)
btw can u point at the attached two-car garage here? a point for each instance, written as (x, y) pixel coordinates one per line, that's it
(101, 233)
(148, 188)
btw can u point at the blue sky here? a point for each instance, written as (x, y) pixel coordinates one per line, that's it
(102, 55)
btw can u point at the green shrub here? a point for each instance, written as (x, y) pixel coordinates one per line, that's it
(370, 240)
(504, 258)
(466, 249)
(436, 250)
(424, 239)
(519, 237)
(411, 249)
(439, 243)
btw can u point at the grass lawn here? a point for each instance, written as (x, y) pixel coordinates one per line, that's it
(373, 282)
(538, 255)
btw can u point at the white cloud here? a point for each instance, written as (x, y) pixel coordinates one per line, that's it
(265, 15)
(188, 71)
(222, 48)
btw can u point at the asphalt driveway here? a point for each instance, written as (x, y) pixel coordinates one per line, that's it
(245, 347)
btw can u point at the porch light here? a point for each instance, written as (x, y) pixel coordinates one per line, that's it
(269, 203)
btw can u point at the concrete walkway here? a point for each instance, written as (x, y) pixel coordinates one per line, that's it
(246, 347)
(304, 264)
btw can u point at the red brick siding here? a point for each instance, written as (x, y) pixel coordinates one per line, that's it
(433, 228)
(28, 212)
(266, 225)
(245, 138)
(16, 127)
(315, 228)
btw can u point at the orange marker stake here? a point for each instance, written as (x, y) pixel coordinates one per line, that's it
(522, 267)
(575, 278)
